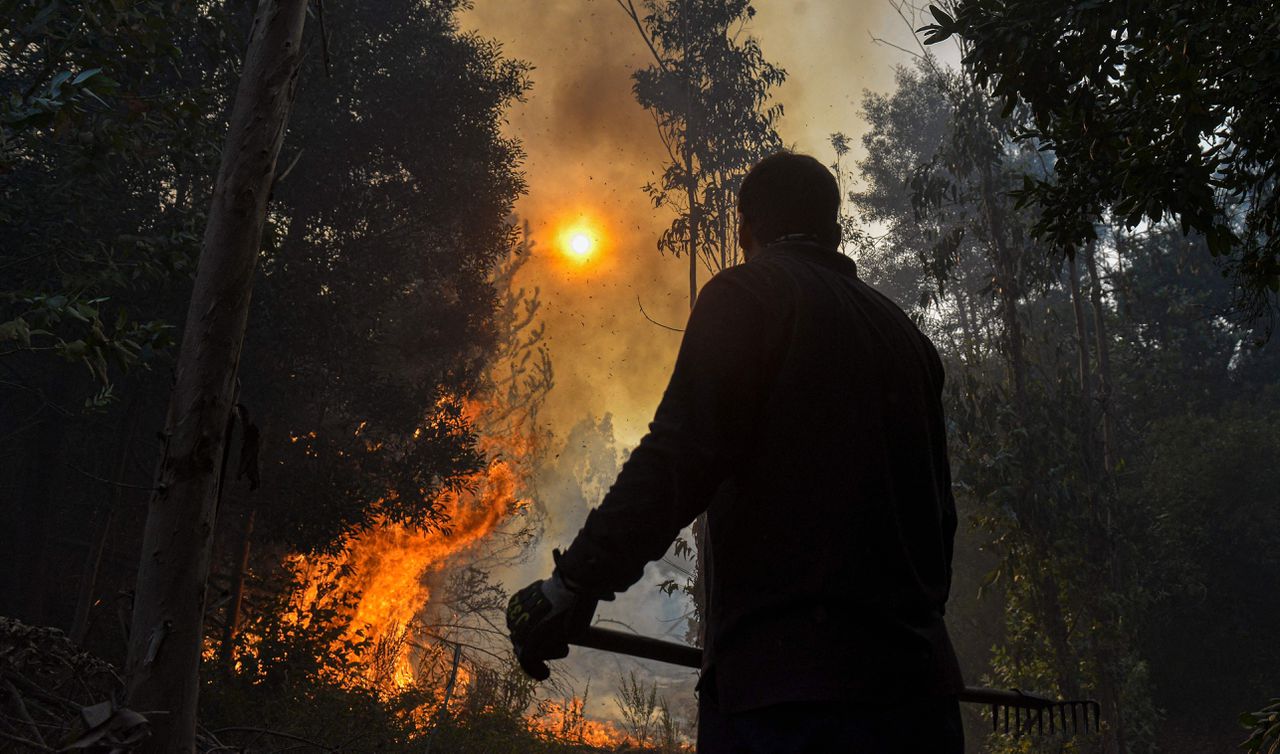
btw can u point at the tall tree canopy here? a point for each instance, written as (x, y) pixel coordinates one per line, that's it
(1152, 110)
(1075, 389)
(109, 133)
(375, 313)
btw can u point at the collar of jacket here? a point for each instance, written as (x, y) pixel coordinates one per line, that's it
(823, 255)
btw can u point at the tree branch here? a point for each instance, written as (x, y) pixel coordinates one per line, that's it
(654, 321)
(630, 9)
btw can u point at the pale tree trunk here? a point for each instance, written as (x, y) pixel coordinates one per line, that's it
(1104, 358)
(1114, 737)
(167, 625)
(1082, 369)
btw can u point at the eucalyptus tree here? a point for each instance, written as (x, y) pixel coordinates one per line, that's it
(1026, 350)
(1154, 110)
(375, 315)
(384, 301)
(708, 90)
(167, 625)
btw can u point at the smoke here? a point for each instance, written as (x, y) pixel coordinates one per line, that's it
(591, 148)
(571, 481)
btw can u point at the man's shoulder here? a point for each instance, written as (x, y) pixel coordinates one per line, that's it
(759, 280)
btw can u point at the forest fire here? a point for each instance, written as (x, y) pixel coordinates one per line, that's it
(377, 581)
(379, 574)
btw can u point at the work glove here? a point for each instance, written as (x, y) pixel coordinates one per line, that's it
(542, 618)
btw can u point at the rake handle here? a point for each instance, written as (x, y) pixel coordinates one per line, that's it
(648, 648)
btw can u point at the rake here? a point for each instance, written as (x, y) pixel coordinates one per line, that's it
(1022, 713)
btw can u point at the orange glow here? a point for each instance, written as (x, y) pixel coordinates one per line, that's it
(566, 722)
(579, 241)
(377, 584)
(384, 568)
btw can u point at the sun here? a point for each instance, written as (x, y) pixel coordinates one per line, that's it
(578, 243)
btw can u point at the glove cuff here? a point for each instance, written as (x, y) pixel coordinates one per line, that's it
(578, 585)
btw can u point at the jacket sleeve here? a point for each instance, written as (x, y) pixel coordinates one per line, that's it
(706, 419)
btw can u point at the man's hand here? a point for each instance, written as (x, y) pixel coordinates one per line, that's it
(541, 618)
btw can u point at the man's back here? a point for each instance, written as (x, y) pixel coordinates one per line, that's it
(831, 536)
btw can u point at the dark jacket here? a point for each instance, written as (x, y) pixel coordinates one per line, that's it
(804, 416)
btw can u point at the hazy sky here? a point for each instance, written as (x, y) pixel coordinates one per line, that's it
(591, 148)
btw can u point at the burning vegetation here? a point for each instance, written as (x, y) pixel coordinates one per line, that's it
(281, 264)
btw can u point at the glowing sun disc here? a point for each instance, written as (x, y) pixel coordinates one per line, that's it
(580, 244)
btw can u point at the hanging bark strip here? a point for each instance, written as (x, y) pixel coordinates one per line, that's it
(168, 614)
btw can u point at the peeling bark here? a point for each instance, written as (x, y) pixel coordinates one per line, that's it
(168, 615)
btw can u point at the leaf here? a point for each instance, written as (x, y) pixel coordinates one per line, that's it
(86, 75)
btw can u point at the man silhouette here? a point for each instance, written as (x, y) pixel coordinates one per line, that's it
(804, 417)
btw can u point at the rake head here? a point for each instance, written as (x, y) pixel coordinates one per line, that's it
(1020, 713)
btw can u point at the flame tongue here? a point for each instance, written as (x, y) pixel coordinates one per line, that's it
(383, 570)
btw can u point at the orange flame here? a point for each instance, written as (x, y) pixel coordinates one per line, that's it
(567, 722)
(384, 568)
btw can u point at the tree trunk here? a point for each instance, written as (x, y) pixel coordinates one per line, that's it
(226, 653)
(1104, 359)
(1082, 368)
(167, 625)
(1048, 599)
(1114, 739)
(691, 190)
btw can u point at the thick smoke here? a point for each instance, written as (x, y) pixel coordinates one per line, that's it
(571, 481)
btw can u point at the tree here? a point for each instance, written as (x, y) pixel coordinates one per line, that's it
(384, 300)
(168, 615)
(1152, 110)
(109, 128)
(104, 134)
(938, 168)
(376, 311)
(708, 91)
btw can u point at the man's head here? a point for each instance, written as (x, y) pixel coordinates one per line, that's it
(788, 194)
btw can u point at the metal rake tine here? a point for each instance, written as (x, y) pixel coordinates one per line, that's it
(995, 726)
(1062, 717)
(1097, 717)
(1006, 718)
(1040, 720)
(1075, 725)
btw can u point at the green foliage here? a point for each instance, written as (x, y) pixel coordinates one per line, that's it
(1264, 727)
(107, 148)
(1052, 387)
(1213, 472)
(376, 314)
(709, 92)
(1152, 110)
